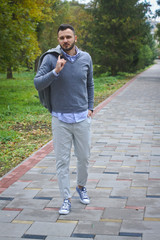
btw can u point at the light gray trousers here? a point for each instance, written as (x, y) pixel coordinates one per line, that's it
(64, 134)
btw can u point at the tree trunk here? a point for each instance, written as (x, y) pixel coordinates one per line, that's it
(36, 64)
(9, 73)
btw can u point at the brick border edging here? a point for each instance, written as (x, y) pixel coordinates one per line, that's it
(16, 173)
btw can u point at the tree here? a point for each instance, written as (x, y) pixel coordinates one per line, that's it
(81, 19)
(47, 31)
(158, 25)
(118, 31)
(18, 23)
(158, 10)
(73, 13)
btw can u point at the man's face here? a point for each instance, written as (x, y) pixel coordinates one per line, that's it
(67, 39)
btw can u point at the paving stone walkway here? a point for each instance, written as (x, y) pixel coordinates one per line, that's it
(123, 183)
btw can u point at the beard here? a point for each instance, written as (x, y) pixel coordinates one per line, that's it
(65, 49)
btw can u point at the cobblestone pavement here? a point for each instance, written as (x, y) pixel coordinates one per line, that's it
(123, 183)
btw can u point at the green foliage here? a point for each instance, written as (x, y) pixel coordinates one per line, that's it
(99, 69)
(113, 31)
(47, 31)
(158, 33)
(145, 57)
(66, 12)
(18, 23)
(7, 136)
(118, 32)
(81, 19)
(158, 10)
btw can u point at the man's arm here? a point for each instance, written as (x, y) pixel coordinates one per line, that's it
(45, 75)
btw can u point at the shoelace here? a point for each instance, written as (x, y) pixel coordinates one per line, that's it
(84, 193)
(65, 204)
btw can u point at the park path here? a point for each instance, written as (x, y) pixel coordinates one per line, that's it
(123, 183)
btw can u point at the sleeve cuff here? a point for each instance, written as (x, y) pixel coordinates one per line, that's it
(55, 74)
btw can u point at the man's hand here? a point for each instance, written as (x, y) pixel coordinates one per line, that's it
(90, 113)
(60, 64)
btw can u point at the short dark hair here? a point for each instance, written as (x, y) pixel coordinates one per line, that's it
(63, 27)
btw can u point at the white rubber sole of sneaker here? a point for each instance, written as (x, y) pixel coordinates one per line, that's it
(62, 212)
(85, 202)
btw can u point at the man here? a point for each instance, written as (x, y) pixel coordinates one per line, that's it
(69, 78)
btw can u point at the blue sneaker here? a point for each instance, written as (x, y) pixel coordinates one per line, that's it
(66, 207)
(83, 195)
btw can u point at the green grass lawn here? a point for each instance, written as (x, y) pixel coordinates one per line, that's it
(25, 125)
